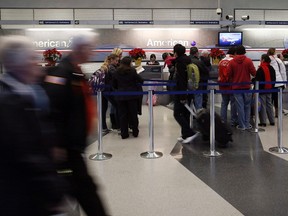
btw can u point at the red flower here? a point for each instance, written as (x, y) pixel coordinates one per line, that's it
(285, 53)
(52, 55)
(137, 53)
(217, 53)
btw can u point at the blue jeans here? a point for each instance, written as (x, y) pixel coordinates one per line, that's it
(243, 105)
(226, 98)
(198, 101)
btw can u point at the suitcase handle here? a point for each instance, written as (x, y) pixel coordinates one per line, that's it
(192, 111)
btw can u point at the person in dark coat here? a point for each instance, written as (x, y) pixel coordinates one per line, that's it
(73, 111)
(200, 101)
(29, 184)
(266, 73)
(127, 79)
(112, 67)
(181, 114)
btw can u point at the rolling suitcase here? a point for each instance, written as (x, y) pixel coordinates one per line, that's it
(223, 133)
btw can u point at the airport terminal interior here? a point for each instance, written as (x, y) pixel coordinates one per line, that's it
(246, 178)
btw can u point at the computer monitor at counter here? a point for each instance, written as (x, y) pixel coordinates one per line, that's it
(151, 72)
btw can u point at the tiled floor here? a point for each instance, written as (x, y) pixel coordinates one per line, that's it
(245, 180)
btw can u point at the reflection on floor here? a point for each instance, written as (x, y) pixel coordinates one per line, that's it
(245, 180)
(246, 176)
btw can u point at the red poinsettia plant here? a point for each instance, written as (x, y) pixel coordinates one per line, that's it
(217, 53)
(137, 53)
(52, 55)
(285, 53)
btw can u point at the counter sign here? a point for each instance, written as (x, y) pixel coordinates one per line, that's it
(135, 22)
(204, 22)
(54, 22)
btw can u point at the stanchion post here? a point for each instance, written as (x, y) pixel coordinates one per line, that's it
(279, 149)
(100, 155)
(191, 116)
(256, 111)
(212, 152)
(151, 154)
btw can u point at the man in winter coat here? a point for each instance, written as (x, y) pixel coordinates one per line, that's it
(200, 100)
(29, 184)
(227, 97)
(240, 70)
(181, 114)
(73, 111)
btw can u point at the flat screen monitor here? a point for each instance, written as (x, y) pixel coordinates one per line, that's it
(230, 38)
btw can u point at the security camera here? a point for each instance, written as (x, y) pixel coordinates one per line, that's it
(245, 17)
(218, 11)
(229, 17)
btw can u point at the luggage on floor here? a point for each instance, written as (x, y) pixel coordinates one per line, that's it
(223, 133)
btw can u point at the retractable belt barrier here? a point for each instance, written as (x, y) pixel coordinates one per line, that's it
(152, 154)
(100, 155)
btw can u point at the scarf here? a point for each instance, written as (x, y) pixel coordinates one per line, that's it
(265, 67)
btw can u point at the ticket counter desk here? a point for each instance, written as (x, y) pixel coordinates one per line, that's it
(154, 72)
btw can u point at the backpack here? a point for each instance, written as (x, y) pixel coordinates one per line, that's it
(97, 81)
(193, 75)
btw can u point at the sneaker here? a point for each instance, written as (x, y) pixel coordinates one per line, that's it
(249, 127)
(106, 130)
(171, 105)
(239, 128)
(189, 139)
(180, 139)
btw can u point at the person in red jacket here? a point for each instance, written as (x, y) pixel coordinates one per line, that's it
(266, 73)
(227, 97)
(240, 70)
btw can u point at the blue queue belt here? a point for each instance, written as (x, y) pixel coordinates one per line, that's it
(153, 154)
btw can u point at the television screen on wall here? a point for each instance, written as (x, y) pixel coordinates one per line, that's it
(230, 38)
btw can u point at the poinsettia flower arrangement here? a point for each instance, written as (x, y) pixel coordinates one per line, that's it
(52, 55)
(217, 53)
(285, 53)
(137, 53)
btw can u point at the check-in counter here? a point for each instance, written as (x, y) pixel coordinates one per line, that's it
(154, 72)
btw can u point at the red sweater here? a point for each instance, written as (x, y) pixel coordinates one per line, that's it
(239, 70)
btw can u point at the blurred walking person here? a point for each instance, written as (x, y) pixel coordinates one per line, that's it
(73, 112)
(29, 185)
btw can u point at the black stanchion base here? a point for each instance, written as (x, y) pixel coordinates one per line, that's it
(100, 156)
(151, 155)
(279, 150)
